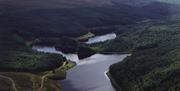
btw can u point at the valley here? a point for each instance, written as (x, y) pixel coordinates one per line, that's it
(84, 45)
(90, 72)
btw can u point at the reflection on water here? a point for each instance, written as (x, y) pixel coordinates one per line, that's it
(89, 74)
(47, 49)
(74, 57)
(96, 58)
(101, 38)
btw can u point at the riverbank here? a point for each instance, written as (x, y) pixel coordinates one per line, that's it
(47, 79)
(60, 73)
(154, 64)
(113, 82)
(88, 75)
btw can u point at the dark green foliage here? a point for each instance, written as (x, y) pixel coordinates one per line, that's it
(74, 21)
(155, 61)
(64, 44)
(16, 55)
(153, 66)
(84, 52)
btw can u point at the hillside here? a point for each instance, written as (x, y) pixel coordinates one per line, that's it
(55, 16)
(19, 5)
(21, 26)
(15, 52)
(49, 4)
(171, 1)
(163, 8)
(154, 64)
(142, 30)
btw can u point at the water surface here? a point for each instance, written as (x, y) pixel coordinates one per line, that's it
(90, 73)
(50, 49)
(101, 38)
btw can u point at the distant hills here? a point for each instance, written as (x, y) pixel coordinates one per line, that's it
(39, 4)
(75, 17)
(171, 1)
(162, 8)
(49, 4)
(154, 64)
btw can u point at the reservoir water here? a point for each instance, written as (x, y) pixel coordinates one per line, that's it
(101, 38)
(90, 73)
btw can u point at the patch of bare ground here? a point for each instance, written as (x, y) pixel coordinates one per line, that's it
(12, 81)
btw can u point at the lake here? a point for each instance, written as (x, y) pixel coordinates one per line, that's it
(90, 73)
(101, 38)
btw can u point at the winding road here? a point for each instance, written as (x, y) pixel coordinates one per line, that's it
(43, 78)
(12, 82)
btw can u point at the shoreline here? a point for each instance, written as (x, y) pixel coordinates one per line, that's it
(113, 82)
(60, 73)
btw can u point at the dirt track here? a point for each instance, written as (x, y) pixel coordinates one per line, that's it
(12, 82)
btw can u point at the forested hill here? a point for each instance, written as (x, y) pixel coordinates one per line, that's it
(74, 17)
(17, 55)
(47, 4)
(145, 29)
(23, 21)
(155, 61)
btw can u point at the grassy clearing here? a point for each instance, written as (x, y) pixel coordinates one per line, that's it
(86, 36)
(60, 73)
